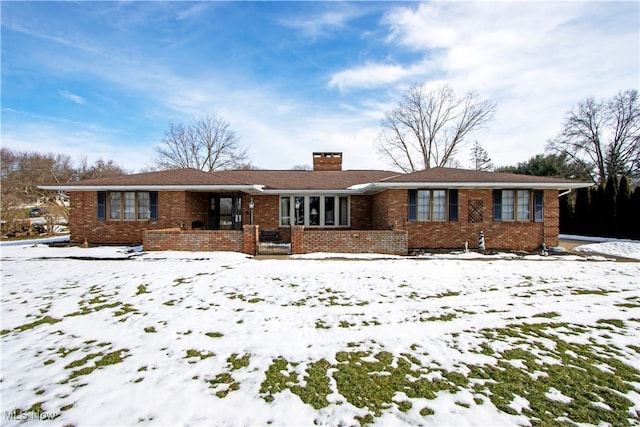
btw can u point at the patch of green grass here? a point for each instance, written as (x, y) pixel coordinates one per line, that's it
(321, 325)
(196, 353)
(442, 318)
(237, 363)
(43, 320)
(150, 329)
(106, 360)
(142, 289)
(126, 308)
(548, 314)
(615, 322)
(316, 388)
(170, 303)
(589, 292)
(577, 376)
(214, 334)
(426, 411)
(275, 381)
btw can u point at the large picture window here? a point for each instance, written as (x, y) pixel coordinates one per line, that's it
(314, 211)
(128, 205)
(518, 205)
(433, 205)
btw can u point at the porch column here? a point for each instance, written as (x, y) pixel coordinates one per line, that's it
(250, 239)
(297, 239)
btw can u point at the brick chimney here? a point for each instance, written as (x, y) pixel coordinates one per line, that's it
(327, 161)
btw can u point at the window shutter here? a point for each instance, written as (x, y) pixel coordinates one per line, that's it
(538, 206)
(412, 205)
(102, 205)
(153, 205)
(453, 205)
(497, 205)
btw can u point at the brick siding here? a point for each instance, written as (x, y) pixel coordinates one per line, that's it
(305, 240)
(384, 212)
(176, 239)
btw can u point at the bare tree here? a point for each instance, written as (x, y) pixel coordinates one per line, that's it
(22, 173)
(428, 126)
(99, 169)
(603, 137)
(206, 144)
(480, 158)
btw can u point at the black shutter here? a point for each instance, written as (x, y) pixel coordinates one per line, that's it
(102, 205)
(413, 194)
(453, 205)
(497, 205)
(153, 205)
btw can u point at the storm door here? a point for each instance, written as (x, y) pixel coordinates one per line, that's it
(225, 213)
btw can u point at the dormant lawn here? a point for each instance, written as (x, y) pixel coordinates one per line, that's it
(102, 337)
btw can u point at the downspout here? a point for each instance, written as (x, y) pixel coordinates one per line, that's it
(564, 193)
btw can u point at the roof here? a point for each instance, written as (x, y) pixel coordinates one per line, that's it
(290, 181)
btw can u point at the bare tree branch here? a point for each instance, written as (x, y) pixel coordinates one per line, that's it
(603, 136)
(427, 127)
(206, 144)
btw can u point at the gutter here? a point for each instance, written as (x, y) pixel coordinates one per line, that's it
(376, 187)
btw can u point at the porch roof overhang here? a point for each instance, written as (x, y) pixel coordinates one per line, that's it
(245, 188)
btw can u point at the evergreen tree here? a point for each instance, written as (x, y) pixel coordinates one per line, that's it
(596, 217)
(480, 158)
(635, 214)
(609, 214)
(567, 218)
(581, 212)
(623, 209)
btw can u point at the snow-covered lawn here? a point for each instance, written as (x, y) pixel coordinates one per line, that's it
(102, 337)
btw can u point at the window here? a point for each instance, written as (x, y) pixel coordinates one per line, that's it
(128, 205)
(424, 205)
(315, 211)
(439, 205)
(114, 205)
(507, 205)
(285, 211)
(538, 206)
(329, 211)
(344, 211)
(143, 206)
(453, 205)
(516, 205)
(433, 205)
(523, 205)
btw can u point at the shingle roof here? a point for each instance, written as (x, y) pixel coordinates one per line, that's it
(292, 180)
(472, 176)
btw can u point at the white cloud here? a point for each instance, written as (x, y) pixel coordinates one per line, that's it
(536, 60)
(321, 24)
(72, 97)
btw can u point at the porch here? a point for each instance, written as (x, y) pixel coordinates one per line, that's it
(303, 240)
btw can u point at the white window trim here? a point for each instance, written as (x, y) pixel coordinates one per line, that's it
(307, 214)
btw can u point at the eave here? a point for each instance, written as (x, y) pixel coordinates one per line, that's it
(249, 189)
(377, 187)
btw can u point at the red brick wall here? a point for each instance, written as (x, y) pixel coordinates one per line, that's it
(360, 212)
(513, 235)
(84, 224)
(305, 240)
(193, 240)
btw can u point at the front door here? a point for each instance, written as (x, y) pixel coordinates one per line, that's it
(225, 213)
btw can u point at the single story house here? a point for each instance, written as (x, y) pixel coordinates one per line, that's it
(326, 209)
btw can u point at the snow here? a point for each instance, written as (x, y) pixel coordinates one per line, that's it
(269, 309)
(607, 246)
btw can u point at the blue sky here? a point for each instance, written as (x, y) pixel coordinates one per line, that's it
(104, 79)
